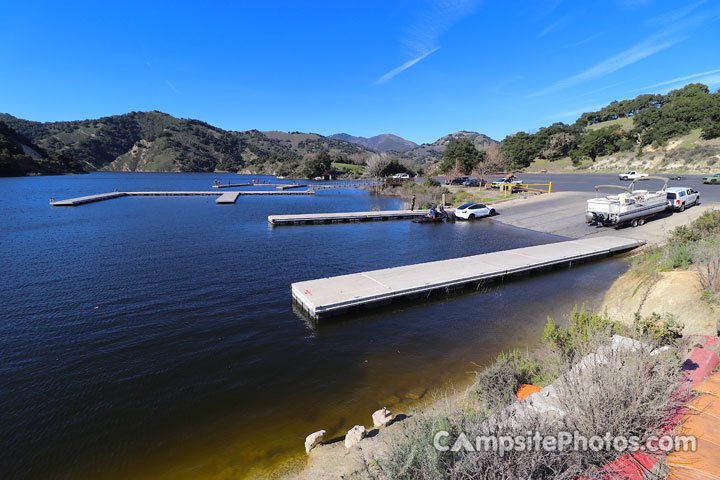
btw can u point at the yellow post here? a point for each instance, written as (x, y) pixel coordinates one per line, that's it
(549, 187)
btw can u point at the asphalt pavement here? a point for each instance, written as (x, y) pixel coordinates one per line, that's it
(585, 182)
(563, 212)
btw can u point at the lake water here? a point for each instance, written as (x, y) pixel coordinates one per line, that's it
(154, 337)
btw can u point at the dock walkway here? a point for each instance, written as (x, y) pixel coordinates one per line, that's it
(346, 217)
(225, 197)
(334, 295)
(228, 197)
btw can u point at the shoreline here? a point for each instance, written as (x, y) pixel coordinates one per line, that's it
(330, 461)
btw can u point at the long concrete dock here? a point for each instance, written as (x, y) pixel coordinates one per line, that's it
(335, 295)
(228, 185)
(225, 196)
(88, 199)
(346, 217)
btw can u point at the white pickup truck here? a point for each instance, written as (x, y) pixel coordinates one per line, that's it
(510, 180)
(631, 175)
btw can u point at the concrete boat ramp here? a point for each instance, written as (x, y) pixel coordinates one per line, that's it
(223, 197)
(334, 295)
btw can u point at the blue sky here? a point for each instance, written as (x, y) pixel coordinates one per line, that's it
(419, 69)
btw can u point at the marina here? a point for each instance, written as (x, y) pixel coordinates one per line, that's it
(335, 295)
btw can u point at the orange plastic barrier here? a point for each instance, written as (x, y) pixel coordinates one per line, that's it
(703, 422)
(526, 390)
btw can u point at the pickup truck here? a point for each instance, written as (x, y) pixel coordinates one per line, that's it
(681, 197)
(631, 175)
(511, 180)
(712, 179)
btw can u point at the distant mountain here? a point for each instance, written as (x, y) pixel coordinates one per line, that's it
(430, 152)
(19, 156)
(156, 141)
(381, 143)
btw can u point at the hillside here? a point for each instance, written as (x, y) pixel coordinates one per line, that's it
(155, 141)
(385, 142)
(158, 142)
(678, 131)
(432, 152)
(19, 156)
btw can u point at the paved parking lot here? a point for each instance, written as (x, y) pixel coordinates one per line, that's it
(563, 212)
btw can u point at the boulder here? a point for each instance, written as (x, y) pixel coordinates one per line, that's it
(381, 417)
(313, 440)
(354, 435)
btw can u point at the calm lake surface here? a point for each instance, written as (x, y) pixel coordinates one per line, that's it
(154, 337)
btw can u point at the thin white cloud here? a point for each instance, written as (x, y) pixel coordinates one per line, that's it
(424, 28)
(172, 87)
(675, 15)
(634, 54)
(430, 20)
(678, 80)
(584, 40)
(404, 67)
(554, 26)
(709, 80)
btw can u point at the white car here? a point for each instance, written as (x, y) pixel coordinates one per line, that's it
(681, 197)
(471, 211)
(400, 175)
(631, 175)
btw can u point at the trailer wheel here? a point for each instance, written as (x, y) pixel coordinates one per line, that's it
(641, 221)
(634, 222)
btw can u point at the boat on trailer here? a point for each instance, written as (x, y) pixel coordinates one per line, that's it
(630, 206)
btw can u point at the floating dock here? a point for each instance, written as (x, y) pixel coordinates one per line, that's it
(346, 217)
(228, 185)
(89, 199)
(225, 197)
(335, 295)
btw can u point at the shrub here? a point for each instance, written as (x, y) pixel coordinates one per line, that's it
(496, 385)
(707, 256)
(431, 182)
(683, 234)
(708, 223)
(661, 329)
(623, 392)
(583, 328)
(681, 255)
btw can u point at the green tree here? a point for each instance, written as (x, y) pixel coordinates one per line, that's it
(463, 154)
(518, 151)
(317, 166)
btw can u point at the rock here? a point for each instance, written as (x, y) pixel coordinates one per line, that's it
(313, 440)
(381, 417)
(354, 435)
(416, 393)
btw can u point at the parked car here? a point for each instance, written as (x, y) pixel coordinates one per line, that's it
(471, 211)
(681, 197)
(471, 183)
(631, 175)
(400, 175)
(510, 180)
(457, 180)
(713, 179)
